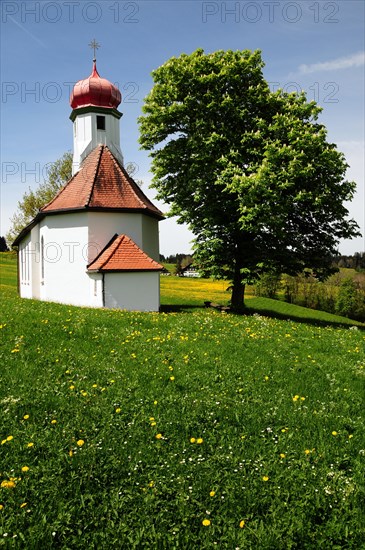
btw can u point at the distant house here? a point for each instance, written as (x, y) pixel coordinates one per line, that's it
(189, 271)
(96, 242)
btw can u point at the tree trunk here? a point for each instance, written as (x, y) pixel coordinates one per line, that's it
(238, 291)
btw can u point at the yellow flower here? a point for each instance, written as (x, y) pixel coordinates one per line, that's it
(282, 455)
(151, 484)
(206, 522)
(31, 444)
(72, 387)
(199, 440)
(350, 436)
(1, 507)
(153, 423)
(172, 378)
(192, 440)
(8, 484)
(26, 416)
(70, 453)
(118, 410)
(53, 421)
(95, 385)
(265, 478)
(334, 433)
(23, 505)
(242, 523)
(25, 468)
(3, 442)
(80, 442)
(155, 402)
(9, 438)
(296, 397)
(212, 493)
(158, 436)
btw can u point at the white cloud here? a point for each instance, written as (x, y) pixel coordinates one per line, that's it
(354, 60)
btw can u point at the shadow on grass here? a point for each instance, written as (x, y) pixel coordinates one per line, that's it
(250, 311)
(179, 308)
(298, 319)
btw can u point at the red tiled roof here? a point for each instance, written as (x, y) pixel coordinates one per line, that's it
(122, 254)
(101, 183)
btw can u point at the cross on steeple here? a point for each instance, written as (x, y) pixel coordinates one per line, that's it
(95, 46)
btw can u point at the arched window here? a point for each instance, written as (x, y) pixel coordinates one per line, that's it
(42, 258)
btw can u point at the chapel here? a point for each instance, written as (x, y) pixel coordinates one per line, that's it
(96, 243)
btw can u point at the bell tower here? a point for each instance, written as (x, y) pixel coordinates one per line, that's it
(95, 116)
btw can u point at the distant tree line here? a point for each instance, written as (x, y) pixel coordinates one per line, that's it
(357, 261)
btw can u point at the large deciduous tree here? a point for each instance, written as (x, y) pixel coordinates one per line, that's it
(250, 170)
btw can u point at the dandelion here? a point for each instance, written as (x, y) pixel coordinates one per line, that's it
(25, 417)
(212, 493)
(242, 523)
(334, 433)
(30, 444)
(23, 505)
(8, 484)
(350, 436)
(265, 478)
(307, 451)
(172, 378)
(70, 453)
(118, 410)
(153, 423)
(1, 507)
(282, 455)
(199, 440)
(80, 442)
(54, 421)
(9, 438)
(206, 522)
(25, 468)
(95, 385)
(72, 387)
(295, 398)
(192, 440)
(158, 436)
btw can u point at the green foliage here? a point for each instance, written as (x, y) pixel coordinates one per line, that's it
(350, 301)
(249, 170)
(129, 430)
(58, 173)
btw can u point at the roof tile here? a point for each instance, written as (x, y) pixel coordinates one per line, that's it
(101, 183)
(122, 254)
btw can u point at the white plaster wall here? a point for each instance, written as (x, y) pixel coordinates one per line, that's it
(25, 267)
(150, 237)
(136, 291)
(65, 259)
(95, 289)
(87, 137)
(36, 262)
(103, 225)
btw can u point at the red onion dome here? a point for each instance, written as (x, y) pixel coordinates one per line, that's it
(95, 91)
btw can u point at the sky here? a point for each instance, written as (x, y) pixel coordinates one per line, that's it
(315, 46)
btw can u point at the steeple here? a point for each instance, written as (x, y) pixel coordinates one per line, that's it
(95, 116)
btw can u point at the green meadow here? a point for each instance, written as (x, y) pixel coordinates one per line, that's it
(185, 429)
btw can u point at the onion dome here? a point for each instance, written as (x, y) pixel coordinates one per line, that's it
(95, 91)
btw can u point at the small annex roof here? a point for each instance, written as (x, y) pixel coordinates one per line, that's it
(101, 184)
(122, 254)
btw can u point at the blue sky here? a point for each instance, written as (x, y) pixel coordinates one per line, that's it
(317, 46)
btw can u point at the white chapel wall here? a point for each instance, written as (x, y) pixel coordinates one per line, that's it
(135, 291)
(65, 253)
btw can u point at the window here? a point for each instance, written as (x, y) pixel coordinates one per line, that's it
(100, 122)
(42, 258)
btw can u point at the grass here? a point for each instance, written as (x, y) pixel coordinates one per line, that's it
(178, 430)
